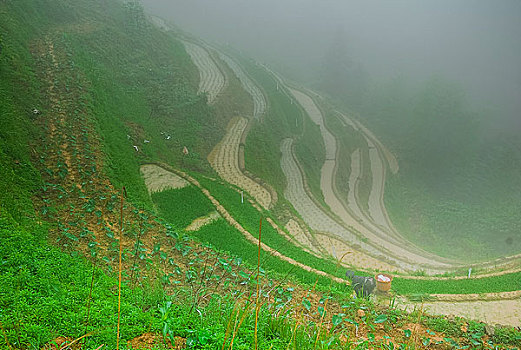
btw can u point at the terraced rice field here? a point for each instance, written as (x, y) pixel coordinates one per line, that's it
(211, 80)
(160, 23)
(224, 158)
(377, 211)
(259, 101)
(316, 116)
(320, 221)
(391, 159)
(381, 243)
(354, 178)
(375, 202)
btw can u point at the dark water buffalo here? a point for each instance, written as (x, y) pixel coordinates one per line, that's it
(362, 285)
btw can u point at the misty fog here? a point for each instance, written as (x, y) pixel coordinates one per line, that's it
(475, 44)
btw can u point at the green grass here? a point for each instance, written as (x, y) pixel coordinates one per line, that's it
(19, 94)
(210, 331)
(182, 206)
(228, 239)
(44, 294)
(450, 228)
(504, 283)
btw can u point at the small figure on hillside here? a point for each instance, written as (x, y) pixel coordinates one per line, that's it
(146, 141)
(363, 285)
(136, 148)
(36, 111)
(185, 150)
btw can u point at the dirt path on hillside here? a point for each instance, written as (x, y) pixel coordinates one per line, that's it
(224, 158)
(62, 115)
(211, 80)
(259, 101)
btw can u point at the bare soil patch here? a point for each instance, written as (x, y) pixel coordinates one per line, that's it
(149, 341)
(158, 179)
(202, 221)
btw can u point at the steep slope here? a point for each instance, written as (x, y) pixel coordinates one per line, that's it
(112, 93)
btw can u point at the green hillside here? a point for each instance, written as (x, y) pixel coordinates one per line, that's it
(90, 91)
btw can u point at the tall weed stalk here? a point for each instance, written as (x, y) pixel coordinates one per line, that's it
(258, 286)
(123, 193)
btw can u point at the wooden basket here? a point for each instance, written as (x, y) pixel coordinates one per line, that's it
(383, 286)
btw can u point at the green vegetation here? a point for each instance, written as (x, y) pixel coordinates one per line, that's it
(228, 239)
(249, 218)
(182, 206)
(44, 294)
(151, 95)
(19, 95)
(504, 283)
